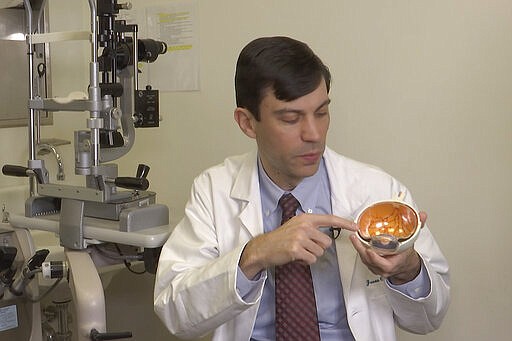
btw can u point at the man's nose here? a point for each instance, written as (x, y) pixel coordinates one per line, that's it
(311, 130)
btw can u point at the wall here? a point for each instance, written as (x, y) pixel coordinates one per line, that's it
(420, 89)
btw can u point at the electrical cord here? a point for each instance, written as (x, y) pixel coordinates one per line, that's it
(127, 264)
(116, 256)
(120, 256)
(50, 289)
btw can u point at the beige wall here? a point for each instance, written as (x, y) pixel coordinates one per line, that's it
(421, 89)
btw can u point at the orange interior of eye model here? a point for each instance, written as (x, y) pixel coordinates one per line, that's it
(388, 218)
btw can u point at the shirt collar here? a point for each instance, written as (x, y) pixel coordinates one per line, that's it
(305, 191)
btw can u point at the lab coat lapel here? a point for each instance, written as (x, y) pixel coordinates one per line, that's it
(247, 192)
(346, 254)
(345, 251)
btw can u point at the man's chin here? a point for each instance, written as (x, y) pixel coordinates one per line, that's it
(309, 170)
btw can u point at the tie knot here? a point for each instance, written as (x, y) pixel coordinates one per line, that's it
(289, 205)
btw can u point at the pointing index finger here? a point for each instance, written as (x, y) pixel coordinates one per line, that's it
(334, 221)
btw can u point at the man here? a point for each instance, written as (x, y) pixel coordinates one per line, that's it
(217, 272)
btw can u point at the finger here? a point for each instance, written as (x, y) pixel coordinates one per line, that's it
(322, 220)
(310, 239)
(378, 261)
(307, 253)
(369, 256)
(423, 218)
(321, 239)
(360, 248)
(315, 248)
(364, 253)
(310, 252)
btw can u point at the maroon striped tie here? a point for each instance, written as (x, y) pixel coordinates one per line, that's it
(296, 315)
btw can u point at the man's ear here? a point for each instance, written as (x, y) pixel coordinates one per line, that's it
(245, 121)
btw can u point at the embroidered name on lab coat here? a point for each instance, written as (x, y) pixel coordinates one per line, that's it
(373, 281)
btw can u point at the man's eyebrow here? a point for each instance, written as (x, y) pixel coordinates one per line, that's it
(297, 111)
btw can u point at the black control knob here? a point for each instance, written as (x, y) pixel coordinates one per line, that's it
(96, 335)
(142, 170)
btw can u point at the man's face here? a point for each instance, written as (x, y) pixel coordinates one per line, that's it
(291, 136)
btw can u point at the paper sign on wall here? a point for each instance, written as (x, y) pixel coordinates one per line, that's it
(176, 24)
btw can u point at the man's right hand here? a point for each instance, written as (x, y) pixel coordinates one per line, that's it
(299, 239)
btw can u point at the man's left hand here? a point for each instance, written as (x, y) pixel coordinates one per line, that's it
(398, 268)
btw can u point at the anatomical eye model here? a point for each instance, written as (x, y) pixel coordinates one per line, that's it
(388, 226)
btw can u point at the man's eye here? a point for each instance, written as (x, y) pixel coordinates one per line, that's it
(290, 118)
(291, 121)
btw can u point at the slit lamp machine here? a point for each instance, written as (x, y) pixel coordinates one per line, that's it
(108, 208)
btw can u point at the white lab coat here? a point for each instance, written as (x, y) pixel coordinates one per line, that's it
(195, 290)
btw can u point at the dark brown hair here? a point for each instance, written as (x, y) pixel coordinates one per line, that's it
(285, 66)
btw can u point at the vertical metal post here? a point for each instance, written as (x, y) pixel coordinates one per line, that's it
(31, 123)
(135, 61)
(94, 122)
